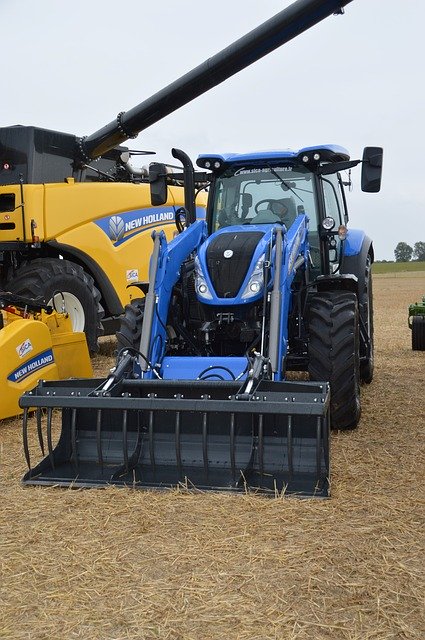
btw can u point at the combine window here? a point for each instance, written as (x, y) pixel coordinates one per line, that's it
(7, 202)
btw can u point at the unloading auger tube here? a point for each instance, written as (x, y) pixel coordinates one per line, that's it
(259, 42)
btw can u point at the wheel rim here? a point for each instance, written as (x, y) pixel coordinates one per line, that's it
(72, 306)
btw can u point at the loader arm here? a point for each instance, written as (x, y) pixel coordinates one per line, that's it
(163, 275)
(294, 257)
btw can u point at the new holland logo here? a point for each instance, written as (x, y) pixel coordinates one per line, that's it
(123, 226)
(31, 366)
(116, 228)
(24, 348)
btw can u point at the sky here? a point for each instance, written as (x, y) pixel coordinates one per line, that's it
(355, 80)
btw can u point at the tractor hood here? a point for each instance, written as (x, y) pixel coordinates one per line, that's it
(229, 265)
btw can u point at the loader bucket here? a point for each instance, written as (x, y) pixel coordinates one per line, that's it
(162, 433)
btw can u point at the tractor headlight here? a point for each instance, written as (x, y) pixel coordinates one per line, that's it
(256, 281)
(201, 285)
(328, 223)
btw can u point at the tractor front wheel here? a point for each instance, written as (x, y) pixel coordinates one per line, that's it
(63, 283)
(334, 353)
(128, 335)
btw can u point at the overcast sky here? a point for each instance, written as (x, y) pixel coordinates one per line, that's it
(354, 80)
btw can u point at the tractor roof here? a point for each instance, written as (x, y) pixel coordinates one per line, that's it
(327, 153)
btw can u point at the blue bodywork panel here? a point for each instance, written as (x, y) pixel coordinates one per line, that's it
(259, 251)
(203, 368)
(353, 242)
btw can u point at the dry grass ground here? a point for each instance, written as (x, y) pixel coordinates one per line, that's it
(120, 564)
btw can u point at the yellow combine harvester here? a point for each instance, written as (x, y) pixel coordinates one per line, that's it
(36, 341)
(76, 225)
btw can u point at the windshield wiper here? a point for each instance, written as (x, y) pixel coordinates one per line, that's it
(288, 186)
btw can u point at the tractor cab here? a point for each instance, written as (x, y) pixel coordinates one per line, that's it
(275, 187)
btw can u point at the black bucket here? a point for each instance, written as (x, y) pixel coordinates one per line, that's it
(160, 434)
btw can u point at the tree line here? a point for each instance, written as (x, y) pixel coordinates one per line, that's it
(404, 252)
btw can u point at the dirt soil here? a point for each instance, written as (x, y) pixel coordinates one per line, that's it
(116, 564)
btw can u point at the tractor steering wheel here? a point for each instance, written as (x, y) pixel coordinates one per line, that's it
(261, 202)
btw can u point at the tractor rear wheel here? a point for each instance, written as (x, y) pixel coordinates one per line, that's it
(128, 335)
(63, 282)
(334, 353)
(418, 333)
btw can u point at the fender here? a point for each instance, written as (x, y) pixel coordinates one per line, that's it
(102, 282)
(337, 282)
(354, 242)
(357, 247)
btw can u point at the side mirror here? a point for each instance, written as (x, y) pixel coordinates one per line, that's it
(372, 169)
(158, 183)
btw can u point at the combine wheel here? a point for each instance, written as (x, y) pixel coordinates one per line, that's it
(418, 333)
(334, 353)
(45, 277)
(128, 335)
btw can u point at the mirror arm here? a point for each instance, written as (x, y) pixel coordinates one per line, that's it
(333, 167)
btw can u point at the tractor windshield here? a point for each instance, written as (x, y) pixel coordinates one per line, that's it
(263, 195)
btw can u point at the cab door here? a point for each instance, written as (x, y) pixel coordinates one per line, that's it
(334, 207)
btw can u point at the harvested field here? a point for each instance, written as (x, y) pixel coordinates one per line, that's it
(120, 564)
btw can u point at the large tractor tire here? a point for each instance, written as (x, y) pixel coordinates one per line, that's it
(128, 335)
(334, 353)
(61, 281)
(418, 333)
(366, 310)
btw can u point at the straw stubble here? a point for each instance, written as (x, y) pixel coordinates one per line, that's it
(122, 564)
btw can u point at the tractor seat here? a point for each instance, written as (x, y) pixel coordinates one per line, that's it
(285, 209)
(265, 216)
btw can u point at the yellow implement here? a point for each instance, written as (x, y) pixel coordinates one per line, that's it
(36, 342)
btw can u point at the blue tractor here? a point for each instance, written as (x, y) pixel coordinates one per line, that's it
(269, 282)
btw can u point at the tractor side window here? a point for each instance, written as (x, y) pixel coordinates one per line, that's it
(334, 208)
(334, 204)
